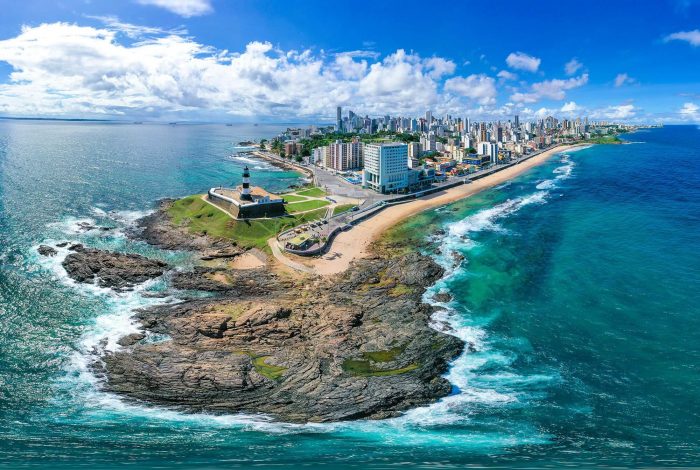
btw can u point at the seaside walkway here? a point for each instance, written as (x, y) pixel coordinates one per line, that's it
(345, 221)
(279, 256)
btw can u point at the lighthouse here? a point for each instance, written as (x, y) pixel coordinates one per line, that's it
(245, 188)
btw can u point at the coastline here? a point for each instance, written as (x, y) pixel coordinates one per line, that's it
(356, 243)
(375, 351)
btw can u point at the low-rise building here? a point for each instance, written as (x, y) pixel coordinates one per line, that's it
(245, 201)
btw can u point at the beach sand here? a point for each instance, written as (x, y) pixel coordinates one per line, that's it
(354, 244)
(250, 260)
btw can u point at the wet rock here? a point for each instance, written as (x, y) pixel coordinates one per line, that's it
(62, 244)
(130, 340)
(155, 295)
(442, 297)
(46, 250)
(457, 257)
(109, 269)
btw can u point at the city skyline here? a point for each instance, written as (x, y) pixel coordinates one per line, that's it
(206, 60)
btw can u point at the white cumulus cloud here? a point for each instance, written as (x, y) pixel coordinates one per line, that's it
(623, 111)
(691, 37)
(623, 79)
(480, 88)
(437, 67)
(506, 75)
(570, 107)
(186, 8)
(551, 89)
(572, 66)
(690, 111)
(67, 69)
(522, 61)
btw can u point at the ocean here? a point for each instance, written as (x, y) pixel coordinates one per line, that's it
(576, 289)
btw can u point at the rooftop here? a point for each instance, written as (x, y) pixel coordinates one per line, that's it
(256, 192)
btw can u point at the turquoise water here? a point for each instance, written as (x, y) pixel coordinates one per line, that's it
(579, 291)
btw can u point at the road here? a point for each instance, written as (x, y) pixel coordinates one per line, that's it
(277, 253)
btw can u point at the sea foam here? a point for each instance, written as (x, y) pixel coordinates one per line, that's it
(472, 389)
(414, 425)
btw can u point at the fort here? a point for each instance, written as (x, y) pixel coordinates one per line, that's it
(246, 202)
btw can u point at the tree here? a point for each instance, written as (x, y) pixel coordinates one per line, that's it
(282, 154)
(262, 145)
(298, 158)
(305, 152)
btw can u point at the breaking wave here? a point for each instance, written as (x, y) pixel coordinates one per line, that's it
(471, 390)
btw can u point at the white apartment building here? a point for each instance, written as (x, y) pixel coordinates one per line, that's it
(428, 143)
(489, 149)
(318, 157)
(386, 168)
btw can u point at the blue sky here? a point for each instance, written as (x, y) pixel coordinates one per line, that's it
(296, 60)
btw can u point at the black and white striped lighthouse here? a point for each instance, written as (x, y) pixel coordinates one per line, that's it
(245, 188)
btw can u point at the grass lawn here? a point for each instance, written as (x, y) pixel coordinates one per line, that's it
(605, 139)
(342, 208)
(293, 198)
(306, 205)
(201, 217)
(312, 192)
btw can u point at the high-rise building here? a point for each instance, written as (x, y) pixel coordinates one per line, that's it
(490, 150)
(517, 121)
(339, 119)
(428, 143)
(318, 156)
(482, 133)
(466, 142)
(428, 120)
(386, 168)
(344, 156)
(413, 149)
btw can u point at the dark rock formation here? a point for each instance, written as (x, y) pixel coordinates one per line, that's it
(442, 297)
(108, 269)
(356, 345)
(46, 250)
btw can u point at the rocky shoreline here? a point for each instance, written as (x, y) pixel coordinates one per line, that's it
(301, 349)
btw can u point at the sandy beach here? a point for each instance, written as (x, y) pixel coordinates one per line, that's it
(354, 244)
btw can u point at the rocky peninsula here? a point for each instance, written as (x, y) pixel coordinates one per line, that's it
(300, 348)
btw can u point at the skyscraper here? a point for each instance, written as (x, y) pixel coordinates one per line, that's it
(517, 121)
(428, 119)
(339, 119)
